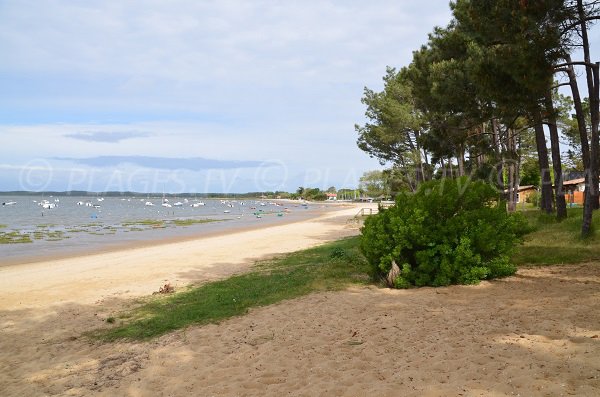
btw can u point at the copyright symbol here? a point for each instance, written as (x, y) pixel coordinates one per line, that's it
(270, 175)
(36, 175)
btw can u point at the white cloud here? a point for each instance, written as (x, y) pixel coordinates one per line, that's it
(229, 80)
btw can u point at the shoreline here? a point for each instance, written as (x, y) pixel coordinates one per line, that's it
(74, 252)
(222, 227)
(141, 270)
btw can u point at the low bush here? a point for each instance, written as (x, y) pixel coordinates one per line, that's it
(448, 232)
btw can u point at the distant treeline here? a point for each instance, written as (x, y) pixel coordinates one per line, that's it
(312, 194)
(154, 194)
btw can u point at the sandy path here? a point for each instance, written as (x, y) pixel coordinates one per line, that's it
(537, 333)
(140, 271)
(533, 334)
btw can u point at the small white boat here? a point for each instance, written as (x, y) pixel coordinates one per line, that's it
(178, 204)
(10, 203)
(45, 204)
(166, 205)
(100, 199)
(88, 204)
(226, 212)
(185, 201)
(196, 205)
(149, 203)
(57, 200)
(80, 203)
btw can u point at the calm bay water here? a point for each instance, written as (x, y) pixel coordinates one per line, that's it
(78, 225)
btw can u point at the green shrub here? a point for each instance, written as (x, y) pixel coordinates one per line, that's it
(337, 253)
(448, 232)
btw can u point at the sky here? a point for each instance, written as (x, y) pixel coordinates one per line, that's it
(195, 96)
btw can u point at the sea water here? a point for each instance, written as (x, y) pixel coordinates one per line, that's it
(79, 225)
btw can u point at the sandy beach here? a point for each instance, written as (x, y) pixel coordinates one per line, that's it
(537, 333)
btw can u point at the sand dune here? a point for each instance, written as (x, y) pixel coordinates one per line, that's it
(537, 333)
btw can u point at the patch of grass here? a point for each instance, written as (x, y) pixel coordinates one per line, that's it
(144, 222)
(45, 234)
(2, 226)
(554, 242)
(38, 235)
(189, 222)
(269, 282)
(45, 225)
(15, 238)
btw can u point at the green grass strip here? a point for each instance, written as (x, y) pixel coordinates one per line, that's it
(553, 243)
(328, 267)
(189, 222)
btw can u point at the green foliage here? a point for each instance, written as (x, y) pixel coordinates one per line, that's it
(312, 194)
(393, 121)
(530, 171)
(448, 232)
(373, 183)
(337, 253)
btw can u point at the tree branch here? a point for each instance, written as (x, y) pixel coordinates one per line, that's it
(559, 85)
(575, 24)
(580, 63)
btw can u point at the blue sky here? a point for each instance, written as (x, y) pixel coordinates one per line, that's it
(199, 96)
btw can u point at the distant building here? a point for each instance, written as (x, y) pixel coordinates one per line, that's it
(574, 191)
(524, 192)
(331, 196)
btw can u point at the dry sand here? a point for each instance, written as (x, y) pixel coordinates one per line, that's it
(537, 333)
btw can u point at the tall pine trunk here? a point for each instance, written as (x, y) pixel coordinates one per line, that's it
(561, 204)
(498, 152)
(513, 176)
(540, 141)
(460, 157)
(580, 116)
(591, 191)
(591, 74)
